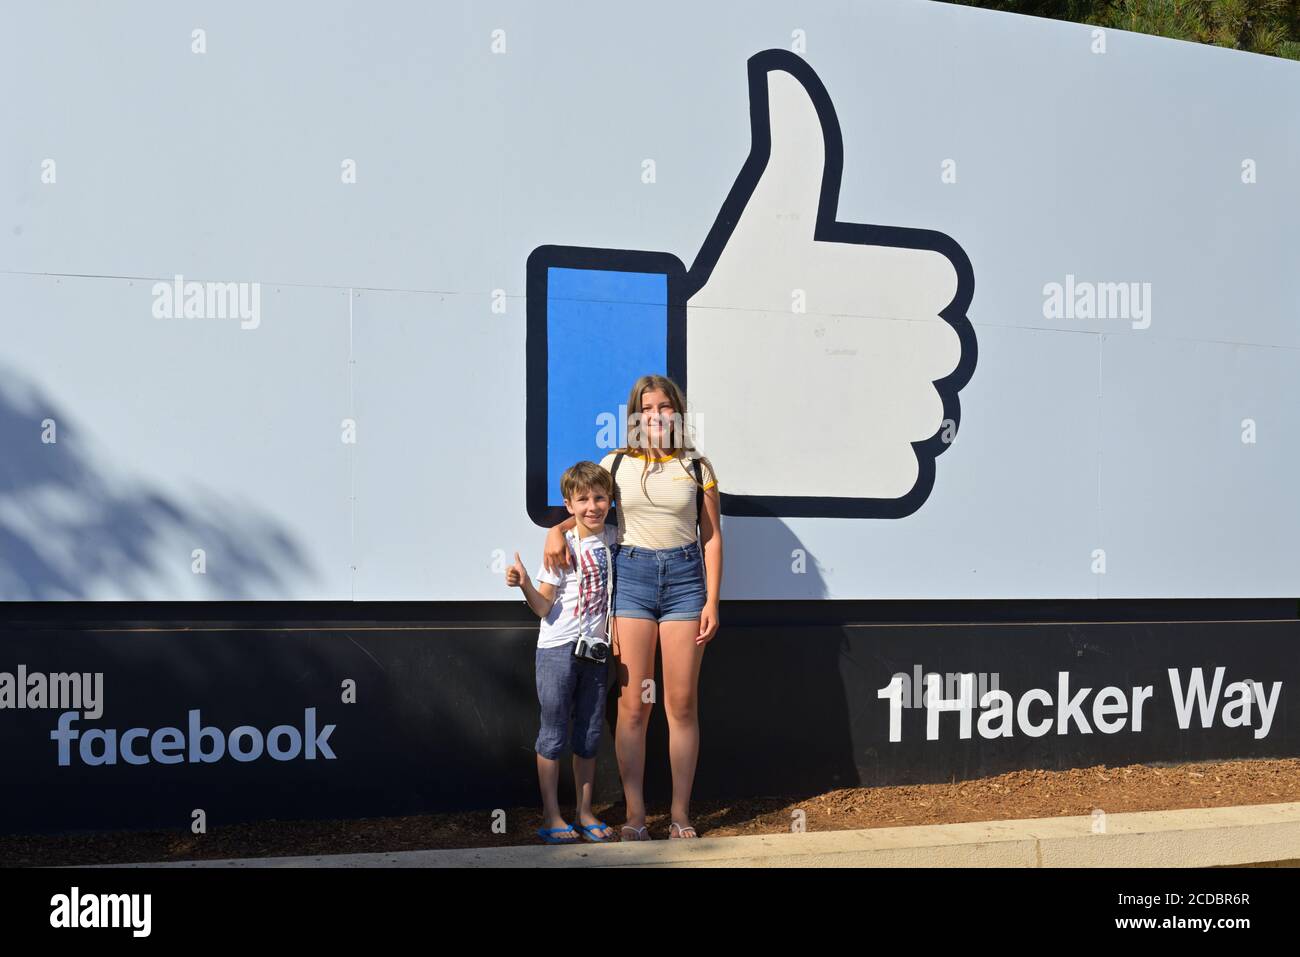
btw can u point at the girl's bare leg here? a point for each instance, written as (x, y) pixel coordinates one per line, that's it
(635, 664)
(682, 658)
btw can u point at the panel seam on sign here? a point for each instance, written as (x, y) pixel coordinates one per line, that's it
(846, 624)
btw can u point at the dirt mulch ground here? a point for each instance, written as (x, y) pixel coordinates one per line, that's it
(1020, 794)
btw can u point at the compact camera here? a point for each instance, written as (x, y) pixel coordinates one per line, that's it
(591, 648)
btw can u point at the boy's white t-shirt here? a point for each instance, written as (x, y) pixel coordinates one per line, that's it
(591, 578)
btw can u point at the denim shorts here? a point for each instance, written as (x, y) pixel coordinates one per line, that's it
(662, 585)
(570, 689)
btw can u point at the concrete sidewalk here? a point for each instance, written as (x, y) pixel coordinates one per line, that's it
(1191, 838)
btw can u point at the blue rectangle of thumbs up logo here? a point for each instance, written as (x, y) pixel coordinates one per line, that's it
(597, 321)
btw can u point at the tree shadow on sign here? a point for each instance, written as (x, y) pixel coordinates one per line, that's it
(73, 527)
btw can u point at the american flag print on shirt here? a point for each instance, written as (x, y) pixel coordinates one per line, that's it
(592, 599)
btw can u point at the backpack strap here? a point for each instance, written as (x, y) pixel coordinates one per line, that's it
(613, 466)
(613, 473)
(699, 499)
(609, 613)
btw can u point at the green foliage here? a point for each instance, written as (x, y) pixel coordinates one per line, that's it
(1270, 27)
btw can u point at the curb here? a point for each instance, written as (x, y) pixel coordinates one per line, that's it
(1200, 837)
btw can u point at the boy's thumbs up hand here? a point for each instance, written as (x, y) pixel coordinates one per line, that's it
(516, 574)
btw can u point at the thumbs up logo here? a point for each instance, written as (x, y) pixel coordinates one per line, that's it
(825, 357)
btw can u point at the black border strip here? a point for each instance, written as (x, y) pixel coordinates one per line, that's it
(342, 615)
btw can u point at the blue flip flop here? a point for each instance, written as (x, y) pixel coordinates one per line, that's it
(547, 834)
(587, 834)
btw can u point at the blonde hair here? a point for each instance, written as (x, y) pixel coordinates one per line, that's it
(681, 437)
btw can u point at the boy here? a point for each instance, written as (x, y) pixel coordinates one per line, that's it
(570, 685)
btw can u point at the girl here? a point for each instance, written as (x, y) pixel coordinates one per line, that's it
(666, 591)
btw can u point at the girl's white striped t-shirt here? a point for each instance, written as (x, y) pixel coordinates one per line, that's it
(662, 515)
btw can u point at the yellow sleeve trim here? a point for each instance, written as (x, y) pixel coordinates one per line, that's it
(709, 486)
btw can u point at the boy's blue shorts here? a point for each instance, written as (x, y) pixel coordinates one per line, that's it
(665, 584)
(570, 689)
